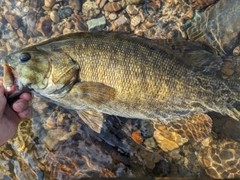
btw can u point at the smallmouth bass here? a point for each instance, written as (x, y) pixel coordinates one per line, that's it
(122, 76)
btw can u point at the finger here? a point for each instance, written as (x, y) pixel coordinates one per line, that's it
(20, 105)
(27, 113)
(3, 99)
(11, 115)
(26, 96)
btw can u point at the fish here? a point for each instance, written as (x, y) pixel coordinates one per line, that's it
(98, 74)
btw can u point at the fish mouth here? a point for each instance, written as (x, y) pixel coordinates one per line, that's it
(10, 81)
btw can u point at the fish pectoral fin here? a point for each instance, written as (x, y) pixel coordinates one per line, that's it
(93, 119)
(93, 93)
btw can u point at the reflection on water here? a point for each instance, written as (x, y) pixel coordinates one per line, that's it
(56, 144)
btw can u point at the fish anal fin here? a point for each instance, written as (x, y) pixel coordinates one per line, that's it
(93, 119)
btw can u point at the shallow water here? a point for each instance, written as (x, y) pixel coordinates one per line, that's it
(57, 144)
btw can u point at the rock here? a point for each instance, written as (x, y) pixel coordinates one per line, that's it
(22, 34)
(79, 23)
(102, 3)
(112, 16)
(8, 46)
(120, 21)
(54, 17)
(153, 6)
(236, 51)
(112, 7)
(64, 12)
(137, 137)
(136, 20)
(200, 4)
(90, 9)
(124, 28)
(221, 159)
(150, 144)
(227, 68)
(69, 25)
(188, 15)
(167, 140)
(44, 26)
(49, 3)
(11, 19)
(147, 25)
(208, 31)
(97, 24)
(67, 31)
(134, 1)
(75, 4)
(132, 10)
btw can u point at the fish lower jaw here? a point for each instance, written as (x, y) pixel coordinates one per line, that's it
(15, 90)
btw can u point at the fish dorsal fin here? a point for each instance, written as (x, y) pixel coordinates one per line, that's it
(92, 118)
(191, 54)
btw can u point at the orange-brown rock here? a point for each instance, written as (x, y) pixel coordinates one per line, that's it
(137, 137)
(112, 7)
(11, 19)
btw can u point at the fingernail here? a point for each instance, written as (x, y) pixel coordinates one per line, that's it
(26, 112)
(20, 104)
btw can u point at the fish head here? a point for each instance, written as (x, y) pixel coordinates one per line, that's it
(40, 70)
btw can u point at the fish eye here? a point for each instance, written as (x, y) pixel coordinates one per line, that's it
(24, 57)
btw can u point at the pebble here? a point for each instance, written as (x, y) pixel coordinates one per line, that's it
(227, 68)
(137, 137)
(75, 4)
(21, 34)
(132, 10)
(64, 12)
(236, 51)
(134, 1)
(69, 25)
(44, 26)
(67, 31)
(136, 20)
(54, 16)
(79, 23)
(150, 143)
(49, 3)
(11, 19)
(120, 21)
(97, 24)
(188, 15)
(112, 16)
(112, 7)
(124, 28)
(200, 4)
(90, 9)
(152, 7)
(167, 140)
(102, 3)
(8, 46)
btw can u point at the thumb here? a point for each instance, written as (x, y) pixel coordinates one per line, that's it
(3, 99)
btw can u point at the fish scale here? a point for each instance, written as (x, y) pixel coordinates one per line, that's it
(152, 87)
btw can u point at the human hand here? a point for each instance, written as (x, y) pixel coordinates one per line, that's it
(10, 116)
